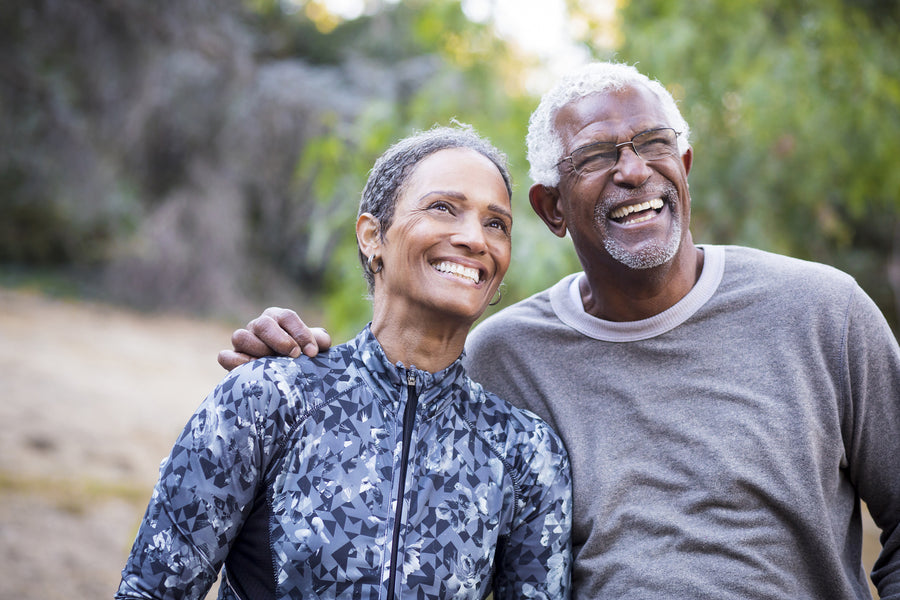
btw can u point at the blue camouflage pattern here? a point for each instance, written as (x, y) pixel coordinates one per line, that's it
(288, 475)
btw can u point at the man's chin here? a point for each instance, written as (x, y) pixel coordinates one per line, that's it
(648, 256)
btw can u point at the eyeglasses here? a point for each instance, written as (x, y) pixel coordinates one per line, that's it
(652, 144)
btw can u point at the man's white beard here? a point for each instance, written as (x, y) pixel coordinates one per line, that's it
(655, 254)
(647, 257)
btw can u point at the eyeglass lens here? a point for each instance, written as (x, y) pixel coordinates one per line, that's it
(649, 145)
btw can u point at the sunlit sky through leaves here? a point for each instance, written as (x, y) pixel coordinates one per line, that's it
(541, 29)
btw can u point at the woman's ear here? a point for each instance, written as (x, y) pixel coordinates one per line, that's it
(546, 203)
(367, 234)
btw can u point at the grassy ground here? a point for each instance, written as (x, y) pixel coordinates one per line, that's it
(93, 398)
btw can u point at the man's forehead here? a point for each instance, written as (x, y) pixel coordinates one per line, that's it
(613, 113)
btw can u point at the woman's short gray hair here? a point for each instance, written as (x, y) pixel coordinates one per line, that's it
(393, 169)
(545, 148)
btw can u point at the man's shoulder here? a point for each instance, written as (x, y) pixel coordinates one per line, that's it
(528, 306)
(774, 269)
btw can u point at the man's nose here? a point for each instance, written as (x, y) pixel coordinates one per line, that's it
(630, 169)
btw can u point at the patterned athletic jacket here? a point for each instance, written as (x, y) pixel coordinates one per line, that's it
(290, 474)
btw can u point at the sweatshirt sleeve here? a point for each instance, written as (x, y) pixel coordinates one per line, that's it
(535, 562)
(872, 385)
(205, 491)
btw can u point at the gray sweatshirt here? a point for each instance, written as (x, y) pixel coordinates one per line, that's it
(719, 449)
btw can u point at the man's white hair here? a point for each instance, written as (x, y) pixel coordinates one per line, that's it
(545, 148)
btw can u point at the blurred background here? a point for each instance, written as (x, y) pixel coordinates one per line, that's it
(207, 157)
(169, 169)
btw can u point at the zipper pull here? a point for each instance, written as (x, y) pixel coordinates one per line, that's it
(410, 378)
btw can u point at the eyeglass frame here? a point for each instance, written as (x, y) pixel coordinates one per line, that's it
(616, 148)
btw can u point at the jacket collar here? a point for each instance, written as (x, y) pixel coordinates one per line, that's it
(435, 390)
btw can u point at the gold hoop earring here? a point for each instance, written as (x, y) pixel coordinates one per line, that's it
(499, 297)
(372, 269)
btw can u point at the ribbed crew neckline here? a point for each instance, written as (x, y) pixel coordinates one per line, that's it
(565, 299)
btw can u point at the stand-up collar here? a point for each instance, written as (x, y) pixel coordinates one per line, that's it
(435, 390)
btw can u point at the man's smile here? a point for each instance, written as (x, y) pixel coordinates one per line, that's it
(641, 212)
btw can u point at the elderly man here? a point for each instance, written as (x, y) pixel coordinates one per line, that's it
(725, 409)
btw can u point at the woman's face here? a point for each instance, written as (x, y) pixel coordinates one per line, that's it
(448, 246)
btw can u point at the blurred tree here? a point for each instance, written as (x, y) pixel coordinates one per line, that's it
(111, 111)
(211, 155)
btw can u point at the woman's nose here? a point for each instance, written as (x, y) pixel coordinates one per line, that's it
(470, 234)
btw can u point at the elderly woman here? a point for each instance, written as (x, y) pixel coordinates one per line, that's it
(377, 469)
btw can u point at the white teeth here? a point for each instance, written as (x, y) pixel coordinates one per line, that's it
(624, 211)
(457, 269)
(640, 219)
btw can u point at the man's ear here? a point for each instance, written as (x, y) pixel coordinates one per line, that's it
(367, 234)
(546, 203)
(687, 159)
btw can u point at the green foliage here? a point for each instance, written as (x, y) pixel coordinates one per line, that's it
(471, 84)
(215, 152)
(794, 109)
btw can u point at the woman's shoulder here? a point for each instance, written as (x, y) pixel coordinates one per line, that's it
(512, 429)
(275, 383)
(532, 454)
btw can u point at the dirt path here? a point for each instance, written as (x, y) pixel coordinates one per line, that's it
(93, 398)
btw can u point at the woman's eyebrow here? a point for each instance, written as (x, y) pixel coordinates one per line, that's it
(501, 210)
(497, 208)
(446, 193)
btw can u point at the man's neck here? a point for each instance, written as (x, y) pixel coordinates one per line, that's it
(625, 294)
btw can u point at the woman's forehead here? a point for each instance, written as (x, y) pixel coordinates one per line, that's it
(461, 171)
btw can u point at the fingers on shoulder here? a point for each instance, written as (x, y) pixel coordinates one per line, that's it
(282, 330)
(230, 360)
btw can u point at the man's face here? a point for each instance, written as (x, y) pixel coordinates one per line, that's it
(637, 212)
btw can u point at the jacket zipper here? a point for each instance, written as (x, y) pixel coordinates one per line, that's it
(409, 421)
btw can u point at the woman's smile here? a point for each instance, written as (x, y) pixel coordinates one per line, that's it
(458, 271)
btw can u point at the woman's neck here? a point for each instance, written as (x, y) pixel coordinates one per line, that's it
(421, 344)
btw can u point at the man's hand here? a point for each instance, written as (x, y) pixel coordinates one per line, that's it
(276, 332)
